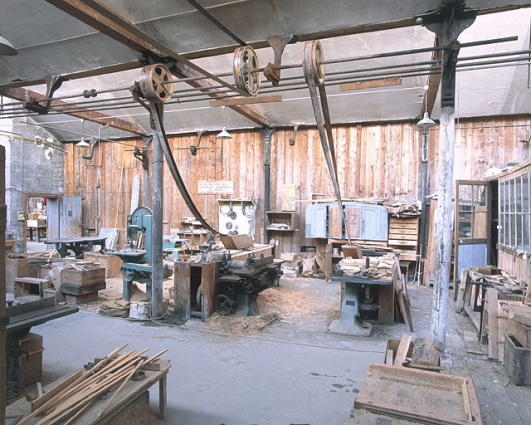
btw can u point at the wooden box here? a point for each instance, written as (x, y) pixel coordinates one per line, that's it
(111, 263)
(15, 267)
(36, 223)
(31, 360)
(89, 276)
(521, 332)
(517, 361)
(392, 346)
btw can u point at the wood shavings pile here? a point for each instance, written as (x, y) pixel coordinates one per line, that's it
(294, 303)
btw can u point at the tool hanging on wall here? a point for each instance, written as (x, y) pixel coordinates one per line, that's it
(314, 75)
(156, 87)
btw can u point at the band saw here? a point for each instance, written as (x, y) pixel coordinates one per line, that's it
(136, 256)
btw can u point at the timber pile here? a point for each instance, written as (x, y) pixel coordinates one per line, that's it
(65, 405)
(487, 295)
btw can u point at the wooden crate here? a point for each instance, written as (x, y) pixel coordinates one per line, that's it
(15, 267)
(517, 361)
(73, 276)
(111, 263)
(30, 286)
(521, 332)
(81, 299)
(31, 360)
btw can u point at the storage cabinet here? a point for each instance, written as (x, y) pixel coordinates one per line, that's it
(362, 221)
(282, 221)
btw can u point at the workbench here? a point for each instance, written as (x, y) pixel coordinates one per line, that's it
(37, 226)
(350, 322)
(77, 245)
(114, 414)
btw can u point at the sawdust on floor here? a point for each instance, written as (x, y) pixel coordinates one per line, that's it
(292, 302)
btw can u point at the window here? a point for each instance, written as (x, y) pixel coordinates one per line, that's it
(515, 213)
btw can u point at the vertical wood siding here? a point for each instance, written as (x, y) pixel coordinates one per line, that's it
(373, 160)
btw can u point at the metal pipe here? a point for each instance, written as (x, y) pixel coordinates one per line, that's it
(267, 177)
(3, 310)
(423, 237)
(157, 162)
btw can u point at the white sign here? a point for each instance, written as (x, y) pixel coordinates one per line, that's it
(217, 187)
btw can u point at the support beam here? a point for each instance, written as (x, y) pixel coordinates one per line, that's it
(25, 95)
(434, 79)
(448, 22)
(157, 199)
(115, 26)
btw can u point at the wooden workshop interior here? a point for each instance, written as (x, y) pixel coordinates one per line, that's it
(203, 151)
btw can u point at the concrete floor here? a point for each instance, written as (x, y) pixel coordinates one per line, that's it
(288, 373)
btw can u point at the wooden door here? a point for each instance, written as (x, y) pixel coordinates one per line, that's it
(471, 225)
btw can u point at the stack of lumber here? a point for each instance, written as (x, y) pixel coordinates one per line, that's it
(68, 402)
(485, 294)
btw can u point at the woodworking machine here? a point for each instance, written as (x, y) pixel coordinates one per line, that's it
(136, 256)
(241, 281)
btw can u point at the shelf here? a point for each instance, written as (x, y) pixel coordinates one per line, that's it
(281, 221)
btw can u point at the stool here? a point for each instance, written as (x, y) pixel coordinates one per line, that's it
(30, 286)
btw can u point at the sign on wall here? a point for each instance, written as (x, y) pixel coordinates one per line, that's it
(215, 187)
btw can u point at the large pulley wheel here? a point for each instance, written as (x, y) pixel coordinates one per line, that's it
(312, 65)
(245, 69)
(224, 305)
(155, 83)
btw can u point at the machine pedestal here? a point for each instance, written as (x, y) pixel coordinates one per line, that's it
(350, 323)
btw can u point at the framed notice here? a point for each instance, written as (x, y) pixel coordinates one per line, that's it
(215, 187)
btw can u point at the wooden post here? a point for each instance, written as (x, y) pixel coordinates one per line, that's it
(443, 225)
(157, 200)
(3, 311)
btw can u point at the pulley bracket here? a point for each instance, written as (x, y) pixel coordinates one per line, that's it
(53, 82)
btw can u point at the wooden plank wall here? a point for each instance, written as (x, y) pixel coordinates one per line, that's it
(374, 161)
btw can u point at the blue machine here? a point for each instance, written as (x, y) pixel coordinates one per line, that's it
(136, 256)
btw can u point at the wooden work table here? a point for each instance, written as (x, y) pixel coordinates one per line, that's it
(121, 406)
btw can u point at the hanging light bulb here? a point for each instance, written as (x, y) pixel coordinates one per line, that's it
(83, 143)
(224, 134)
(426, 122)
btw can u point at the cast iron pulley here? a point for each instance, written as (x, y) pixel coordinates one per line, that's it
(128, 274)
(312, 65)
(224, 306)
(155, 83)
(245, 69)
(248, 286)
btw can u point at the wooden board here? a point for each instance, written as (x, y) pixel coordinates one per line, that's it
(181, 283)
(236, 241)
(419, 395)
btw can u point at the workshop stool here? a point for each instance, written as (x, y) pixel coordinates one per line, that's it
(30, 286)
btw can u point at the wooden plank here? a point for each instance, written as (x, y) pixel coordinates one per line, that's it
(246, 100)
(181, 283)
(395, 390)
(403, 348)
(402, 242)
(51, 393)
(370, 84)
(209, 277)
(492, 321)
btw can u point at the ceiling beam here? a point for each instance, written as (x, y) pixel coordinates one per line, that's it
(434, 79)
(25, 95)
(108, 22)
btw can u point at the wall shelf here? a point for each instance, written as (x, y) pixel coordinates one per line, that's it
(281, 221)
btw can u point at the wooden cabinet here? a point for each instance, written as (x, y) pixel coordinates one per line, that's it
(281, 221)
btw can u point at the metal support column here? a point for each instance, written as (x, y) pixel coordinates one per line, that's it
(156, 225)
(267, 177)
(447, 22)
